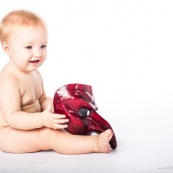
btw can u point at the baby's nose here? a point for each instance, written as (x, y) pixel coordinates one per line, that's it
(37, 52)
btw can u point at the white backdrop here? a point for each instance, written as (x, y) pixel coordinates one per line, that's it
(124, 50)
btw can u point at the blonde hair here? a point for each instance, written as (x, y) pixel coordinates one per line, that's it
(18, 19)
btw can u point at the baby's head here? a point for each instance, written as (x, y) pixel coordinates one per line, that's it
(18, 19)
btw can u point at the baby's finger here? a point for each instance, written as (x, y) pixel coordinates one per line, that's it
(60, 121)
(58, 116)
(60, 126)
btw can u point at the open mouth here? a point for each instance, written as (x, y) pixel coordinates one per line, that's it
(34, 61)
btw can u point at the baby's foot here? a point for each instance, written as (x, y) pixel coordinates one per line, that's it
(101, 144)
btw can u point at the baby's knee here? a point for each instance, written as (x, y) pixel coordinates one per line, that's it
(44, 131)
(45, 136)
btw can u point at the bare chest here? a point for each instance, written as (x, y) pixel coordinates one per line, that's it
(31, 90)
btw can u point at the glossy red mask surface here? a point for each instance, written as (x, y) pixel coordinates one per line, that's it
(76, 101)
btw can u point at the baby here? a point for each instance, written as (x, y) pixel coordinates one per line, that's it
(27, 119)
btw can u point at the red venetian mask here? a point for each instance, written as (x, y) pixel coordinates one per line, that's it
(76, 101)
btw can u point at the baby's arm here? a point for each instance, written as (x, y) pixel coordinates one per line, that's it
(10, 105)
(47, 106)
(45, 102)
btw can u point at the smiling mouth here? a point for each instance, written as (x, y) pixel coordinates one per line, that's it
(34, 61)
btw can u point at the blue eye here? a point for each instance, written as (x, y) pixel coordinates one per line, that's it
(28, 47)
(43, 46)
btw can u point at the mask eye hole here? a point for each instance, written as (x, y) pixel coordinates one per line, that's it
(83, 112)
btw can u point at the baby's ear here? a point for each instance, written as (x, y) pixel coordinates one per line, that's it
(6, 48)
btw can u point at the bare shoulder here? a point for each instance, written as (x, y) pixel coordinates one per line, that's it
(7, 76)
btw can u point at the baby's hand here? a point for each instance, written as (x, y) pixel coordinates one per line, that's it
(54, 121)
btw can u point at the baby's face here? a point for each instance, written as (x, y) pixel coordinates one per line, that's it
(28, 48)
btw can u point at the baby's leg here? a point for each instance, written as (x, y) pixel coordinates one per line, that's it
(18, 141)
(66, 143)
